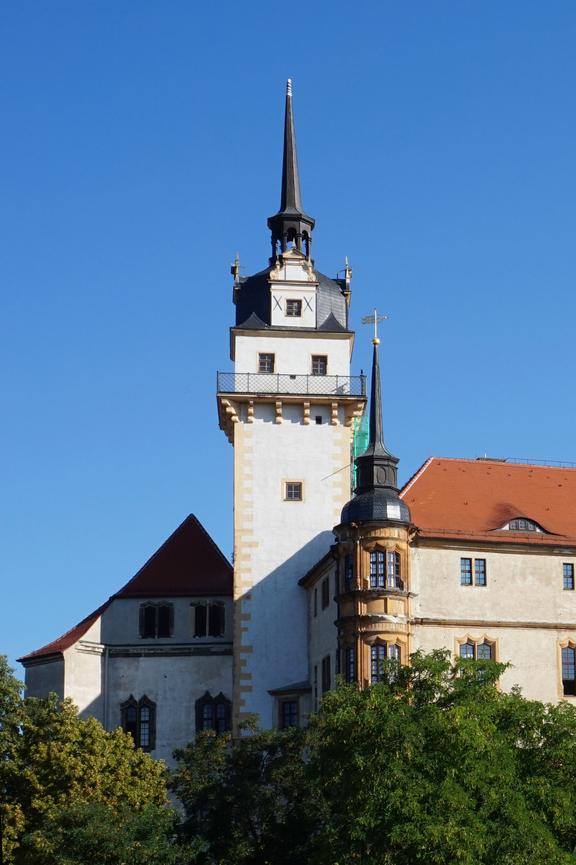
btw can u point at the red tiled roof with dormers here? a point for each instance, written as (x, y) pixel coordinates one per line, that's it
(457, 498)
(188, 564)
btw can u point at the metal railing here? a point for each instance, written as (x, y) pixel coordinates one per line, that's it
(284, 383)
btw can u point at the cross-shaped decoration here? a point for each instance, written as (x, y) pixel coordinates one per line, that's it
(374, 318)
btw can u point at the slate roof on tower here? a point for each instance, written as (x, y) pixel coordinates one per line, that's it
(475, 499)
(188, 564)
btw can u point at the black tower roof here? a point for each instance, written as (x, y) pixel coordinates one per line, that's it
(290, 224)
(376, 495)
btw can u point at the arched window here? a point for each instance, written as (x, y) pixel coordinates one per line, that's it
(522, 524)
(569, 670)
(467, 651)
(139, 719)
(472, 650)
(213, 713)
(380, 654)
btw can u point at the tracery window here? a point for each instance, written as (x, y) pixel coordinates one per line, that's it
(139, 719)
(474, 650)
(569, 671)
(213, 713)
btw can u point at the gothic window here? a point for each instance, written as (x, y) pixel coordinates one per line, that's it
(319, 364)
(288, 710)
(380, 653)
(265, 362)
(569, 671)
(213, 713)
(208, 619)
(568, 577)
(293, 308)
(473, 650)
(139, 719)
(156, 620)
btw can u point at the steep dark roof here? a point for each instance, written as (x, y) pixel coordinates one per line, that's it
(188, 563)
(56, 647)
(253, 300)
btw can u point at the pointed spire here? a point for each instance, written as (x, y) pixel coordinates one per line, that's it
(376, 441)
(290, 226)
(290, 199)
(376, 495)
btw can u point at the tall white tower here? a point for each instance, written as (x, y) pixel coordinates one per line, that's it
(288, 409)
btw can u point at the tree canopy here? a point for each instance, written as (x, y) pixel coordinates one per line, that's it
(60, 774)
(435, 766)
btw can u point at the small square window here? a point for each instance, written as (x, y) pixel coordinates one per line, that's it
(293, 491)
(265, 362)
(288, 714)
(318, 419)
(293, 308)
(568, 577)
(319, 364)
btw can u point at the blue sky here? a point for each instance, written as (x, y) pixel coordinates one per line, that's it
(141, 150)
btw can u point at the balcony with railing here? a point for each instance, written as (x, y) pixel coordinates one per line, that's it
(263, 383)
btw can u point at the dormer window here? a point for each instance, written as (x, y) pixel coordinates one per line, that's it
(293, 308)
(521, 524)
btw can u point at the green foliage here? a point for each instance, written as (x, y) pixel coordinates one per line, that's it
(245, 801)
(437, 766)
(63, 777)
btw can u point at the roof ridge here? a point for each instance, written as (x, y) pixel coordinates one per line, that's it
(415, 476)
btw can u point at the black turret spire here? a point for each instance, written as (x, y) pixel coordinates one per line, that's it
(290, 226)
(376, 495)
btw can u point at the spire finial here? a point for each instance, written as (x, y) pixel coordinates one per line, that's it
(374, 318)
(289, 87)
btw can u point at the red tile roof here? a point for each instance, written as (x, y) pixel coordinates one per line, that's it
(56, 647)
(475, 498)
(187, 564)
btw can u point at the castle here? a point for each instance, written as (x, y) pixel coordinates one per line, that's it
(335, 571)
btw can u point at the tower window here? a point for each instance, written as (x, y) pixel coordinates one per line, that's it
(350, 664)
(139, 719)
(348, 572)
(265, 362)
(385, 570)
(213, 713)
(293, 491)
(293, 308)
(380, 653)
(319, 364)
(568, 577)
(156, 620)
